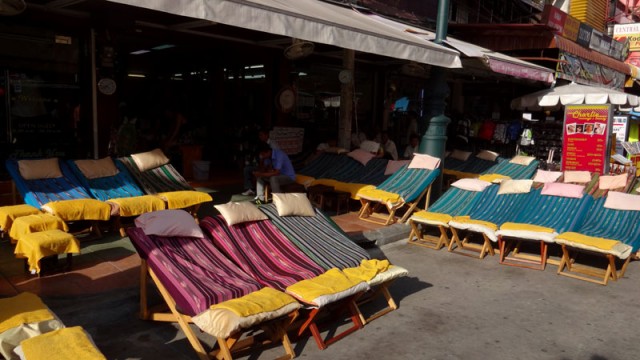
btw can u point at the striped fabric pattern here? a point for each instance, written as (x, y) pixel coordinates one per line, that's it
(262, 251)
(319, 238)
(39, 192)
(456, 202)
(373, 172)
(555, 212)
(498, 209)
(514, 171)
(346, 170)
(120, 185)
(621, 225)
(194, 272)
(323, 163)
(409, 183)
(161, 179)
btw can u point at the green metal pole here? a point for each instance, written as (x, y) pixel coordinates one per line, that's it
(435, 137)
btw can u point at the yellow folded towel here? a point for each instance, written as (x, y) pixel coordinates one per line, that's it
(597, 242)
(432, 216)
(304, 179)
(261, 301)
(525, 227)
(63, 344)
(35, 223)
(368, 269)
(9, 213)
(36, 246)
(352, 188)
(79, 209)
(379, 195)
(331, 282)
(468, 220)
(493, 178)
(137, 205)
(184, 199)
(24, 308)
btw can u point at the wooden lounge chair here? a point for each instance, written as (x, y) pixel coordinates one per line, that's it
(405, 187)
(189, 286)
(264, 253)
(606, 233)
(454, 202)
(514, 170)
(329, 247)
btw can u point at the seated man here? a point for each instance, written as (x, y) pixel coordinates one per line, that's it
(280, 172)
(412, 148)
(263, 136)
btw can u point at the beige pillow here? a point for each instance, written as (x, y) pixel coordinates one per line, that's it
(487, 155)
(522, 160)
(39, 169)
(239, 212)
(150, 159)
(93, 169)
(576, 176)
(460, 155)
(293, 205)
(515, 187)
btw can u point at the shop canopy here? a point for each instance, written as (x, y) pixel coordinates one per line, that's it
(573, 94)
(312, 20)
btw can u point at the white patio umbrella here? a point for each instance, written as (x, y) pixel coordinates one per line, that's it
(573, 94)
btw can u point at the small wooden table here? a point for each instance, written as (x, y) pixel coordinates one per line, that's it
(327, 197)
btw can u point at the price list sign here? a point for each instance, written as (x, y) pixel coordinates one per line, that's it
(585, 142)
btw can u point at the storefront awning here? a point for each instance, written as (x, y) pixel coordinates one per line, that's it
(311, 20)
(591, 55)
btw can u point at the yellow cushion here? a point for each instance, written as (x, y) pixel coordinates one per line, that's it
(184, 199)
(352, 188)
(427, 216)
(304, 179)
(493, 178)
(21, 309)
(332, 282)
(134, 206)
(34, 223)
(79, 209)
(263, 300)
(379, 195)
(9, 213)
(525, 227)
(469, 221)
(597, 242)
(94, 169)
(62, 344)
(37, 245)
(368, 269)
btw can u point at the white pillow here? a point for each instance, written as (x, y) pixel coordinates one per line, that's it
(169, 223)
(239, 212)
(39, 169)
(361, 156)
(293, 204)
(150, 159)
(577, 176)
(370, 146)
(460, 155)
(515, 187)
(424, 161)
(622, 201)
(544, 176)
(487, 155)
(522, 160)
(471, 184)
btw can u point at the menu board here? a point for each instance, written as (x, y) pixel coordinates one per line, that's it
(585, 140)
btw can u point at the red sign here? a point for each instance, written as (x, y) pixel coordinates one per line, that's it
(585, 139)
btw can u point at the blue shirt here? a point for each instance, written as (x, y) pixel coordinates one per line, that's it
(280, 161)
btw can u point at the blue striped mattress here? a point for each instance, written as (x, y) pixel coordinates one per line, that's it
(455, 202)
(555, 212)
(117, 186)
(319, 238)
(164, 178)
(319, 166)
(409, 183)
(42, 191)
(498, 209)
(514, 171)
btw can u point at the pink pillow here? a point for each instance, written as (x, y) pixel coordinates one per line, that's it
(424, 161)
(169, 223)
(544, 176)
(608, 182)
(564, 190)
(622, 201)
(361, 156)
(395, 165)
